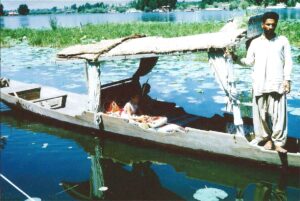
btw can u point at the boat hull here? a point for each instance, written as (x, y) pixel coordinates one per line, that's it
(194, 139)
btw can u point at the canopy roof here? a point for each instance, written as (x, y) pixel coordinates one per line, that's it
(138, 45)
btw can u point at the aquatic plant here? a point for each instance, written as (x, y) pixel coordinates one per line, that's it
(62, 37)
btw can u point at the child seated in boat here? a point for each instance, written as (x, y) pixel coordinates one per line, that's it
(131, 108)
(132, 111)
(113, 108)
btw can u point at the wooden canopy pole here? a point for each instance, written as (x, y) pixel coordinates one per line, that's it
(222, 64)
(94, 86)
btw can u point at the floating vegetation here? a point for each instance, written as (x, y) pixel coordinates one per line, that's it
(210, 194)
(62, 37)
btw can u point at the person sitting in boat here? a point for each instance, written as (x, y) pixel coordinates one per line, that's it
(113, 108)
(133, 112)
(131, 108)
(146, 101)
(154, 107)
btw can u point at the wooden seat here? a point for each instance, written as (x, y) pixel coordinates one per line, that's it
(27, 93)
(59, 103)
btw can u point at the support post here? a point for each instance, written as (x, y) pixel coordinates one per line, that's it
(94, 86)
(222, 65)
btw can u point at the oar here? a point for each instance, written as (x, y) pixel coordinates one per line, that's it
(20, 190)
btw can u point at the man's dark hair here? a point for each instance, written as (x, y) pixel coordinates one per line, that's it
(270, 15)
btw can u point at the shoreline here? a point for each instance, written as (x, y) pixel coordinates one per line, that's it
(59, 37)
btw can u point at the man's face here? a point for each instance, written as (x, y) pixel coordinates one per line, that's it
(269, 26)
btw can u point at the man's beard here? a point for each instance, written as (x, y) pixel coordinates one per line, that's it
(269, 32)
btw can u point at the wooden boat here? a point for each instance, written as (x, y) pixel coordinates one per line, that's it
(89, 110)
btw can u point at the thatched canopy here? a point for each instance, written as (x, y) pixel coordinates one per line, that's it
(142, 45)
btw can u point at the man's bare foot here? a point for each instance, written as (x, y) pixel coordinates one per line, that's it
(280, 149)
(268, 145)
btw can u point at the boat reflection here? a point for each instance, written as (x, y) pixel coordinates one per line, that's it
(139, 182)
(129, 170)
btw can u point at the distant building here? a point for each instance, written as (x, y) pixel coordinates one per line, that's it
(12, 13)
(277, 6)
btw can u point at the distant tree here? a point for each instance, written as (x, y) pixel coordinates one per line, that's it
(1, 10)
(54, 9)
(80, 9)
(291, 3)
(88, 6)
(152, 4)
(74, 7)
(233, 5)
(23, 9)
(148, 5)
(244, 4)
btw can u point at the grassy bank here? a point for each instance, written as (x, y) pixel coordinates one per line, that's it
(62, 37)
(290, 29)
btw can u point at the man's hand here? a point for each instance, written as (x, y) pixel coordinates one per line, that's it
(243, 60)
(287, 86)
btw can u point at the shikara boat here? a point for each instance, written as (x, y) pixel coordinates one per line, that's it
(181, 129)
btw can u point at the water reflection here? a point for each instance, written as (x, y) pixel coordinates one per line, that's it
(268, 191)
(24, 21)
(2, 22)
(139, 182)
(140, 171)
(161, 17)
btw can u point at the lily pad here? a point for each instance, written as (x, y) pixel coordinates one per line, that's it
(210, 194)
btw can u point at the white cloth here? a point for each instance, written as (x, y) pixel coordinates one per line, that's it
(272, 63)
(223, 68)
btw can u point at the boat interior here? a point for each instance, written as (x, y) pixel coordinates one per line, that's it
(34, 95)
(121, 92)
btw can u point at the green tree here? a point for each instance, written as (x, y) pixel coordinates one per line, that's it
(291, 3)
(23, 9)
(81, 9)
(152, 4)
(233, 5)
(54, 9)
(88, 6)
(1, 10)
(244, 5)
(148, 5)
(74, 7)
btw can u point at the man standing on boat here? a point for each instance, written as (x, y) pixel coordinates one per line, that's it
(270, 56)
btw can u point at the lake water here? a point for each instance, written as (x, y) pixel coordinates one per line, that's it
(53, 163)
(71, 20)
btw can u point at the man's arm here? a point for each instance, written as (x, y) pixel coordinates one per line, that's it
(288, 64)
(250, 58)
